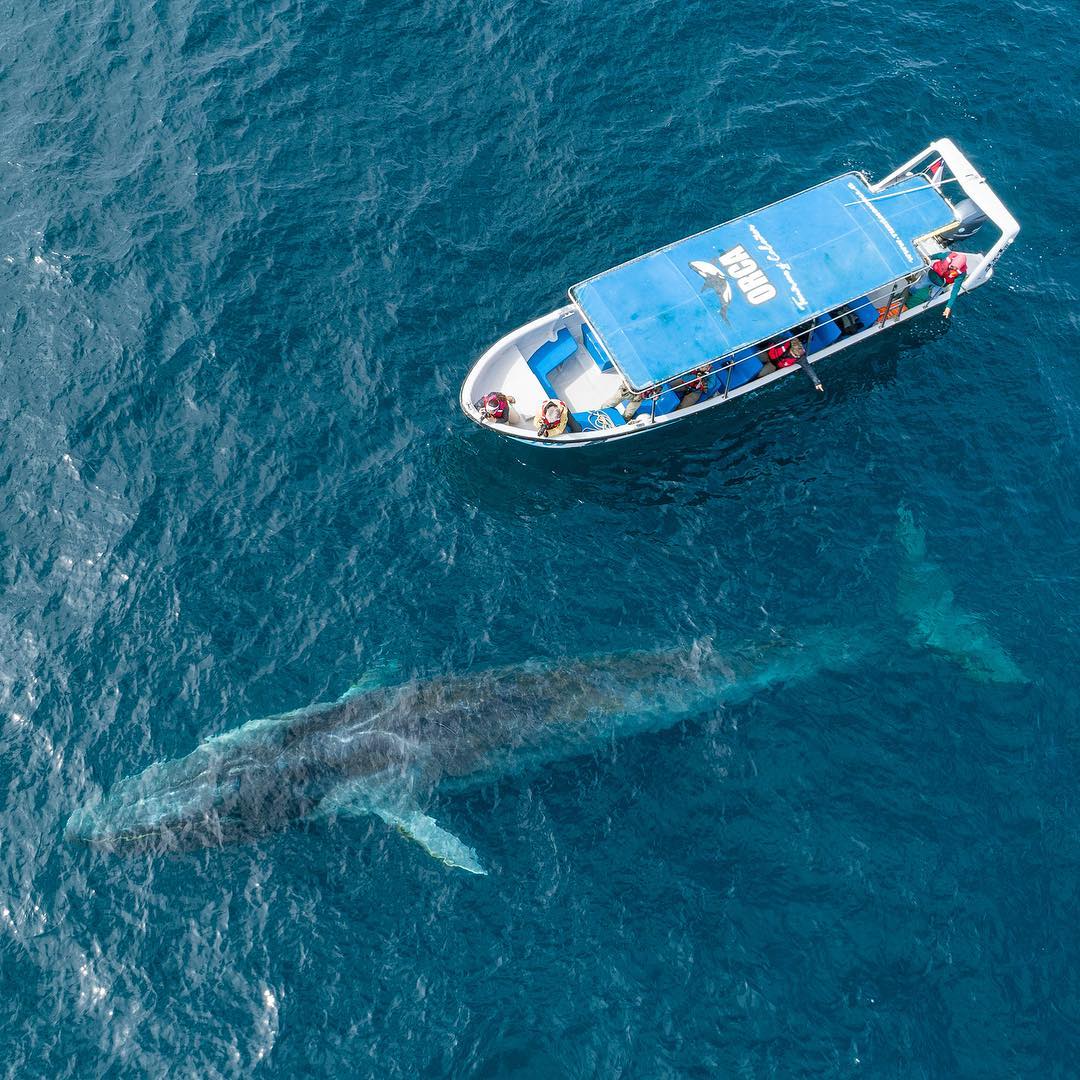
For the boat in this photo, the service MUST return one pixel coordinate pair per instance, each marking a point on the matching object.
(699, 323)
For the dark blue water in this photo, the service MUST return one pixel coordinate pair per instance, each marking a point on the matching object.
(249, 252)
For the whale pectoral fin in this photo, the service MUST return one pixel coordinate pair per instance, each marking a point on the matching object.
(433, 838)
(365, 797)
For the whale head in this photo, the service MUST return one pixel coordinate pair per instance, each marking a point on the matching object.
(244, 783)
(188, 802)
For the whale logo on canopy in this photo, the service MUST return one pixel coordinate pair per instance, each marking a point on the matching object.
(715, 280)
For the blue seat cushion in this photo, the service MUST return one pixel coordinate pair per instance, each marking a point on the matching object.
(549, 356)
(598, 419)
(596, 350)
(666, 402)
(747, 365)
(867, 313)
(824, 335)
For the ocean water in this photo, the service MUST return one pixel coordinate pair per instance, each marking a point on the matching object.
(247, 253)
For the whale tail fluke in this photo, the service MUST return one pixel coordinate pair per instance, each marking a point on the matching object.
(912, 538)
(925, 599)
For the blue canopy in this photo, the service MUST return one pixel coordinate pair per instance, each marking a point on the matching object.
(694, 301)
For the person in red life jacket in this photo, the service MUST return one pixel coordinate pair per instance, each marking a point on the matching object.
(498, 408)
(695, 389)
(636, 400)
(948, 271)
(786, 353)
(495, 407)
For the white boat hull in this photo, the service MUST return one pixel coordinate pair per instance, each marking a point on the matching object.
(497, 367)
(558, 355)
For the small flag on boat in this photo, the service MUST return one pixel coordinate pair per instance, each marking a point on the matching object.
(936, 172)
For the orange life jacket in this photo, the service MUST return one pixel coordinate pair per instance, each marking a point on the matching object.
(892, 311)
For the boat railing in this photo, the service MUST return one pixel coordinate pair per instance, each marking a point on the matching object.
(682, 382)
(894, 307)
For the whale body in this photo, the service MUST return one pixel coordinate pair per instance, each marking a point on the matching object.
(384, 750)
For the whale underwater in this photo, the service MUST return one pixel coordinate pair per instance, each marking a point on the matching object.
(384, 750)
(925, 600)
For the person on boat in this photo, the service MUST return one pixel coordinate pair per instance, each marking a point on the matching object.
(696, 389)
(633, 399)
(496, 408)
(948, 271)
(552, 418)
(781, 355)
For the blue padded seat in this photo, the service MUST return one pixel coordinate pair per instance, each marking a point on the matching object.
(747, 366)
(590, 421)
(596, 350)
(549, 356)
(865, 310)
(825, 333)
(712, 386)
(666, 402)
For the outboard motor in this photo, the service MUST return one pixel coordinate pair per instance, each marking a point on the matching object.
(971, 219)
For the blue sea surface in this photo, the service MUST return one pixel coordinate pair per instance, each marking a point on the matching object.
(248, 252)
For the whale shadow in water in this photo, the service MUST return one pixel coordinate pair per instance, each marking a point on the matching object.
(925, 600)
